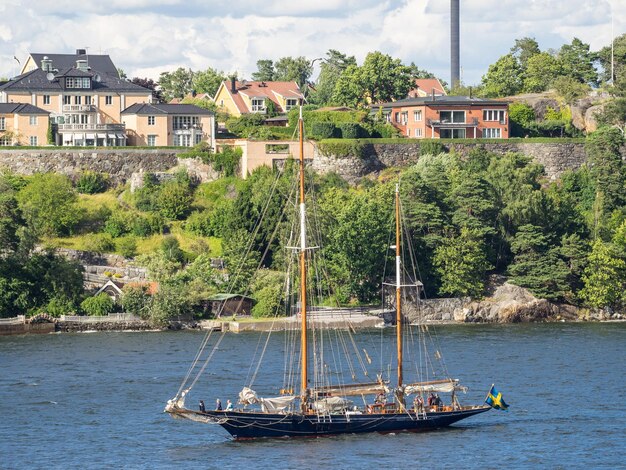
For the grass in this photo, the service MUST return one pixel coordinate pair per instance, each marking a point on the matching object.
(93, 202)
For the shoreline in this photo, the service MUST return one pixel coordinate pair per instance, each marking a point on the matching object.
(230, 326)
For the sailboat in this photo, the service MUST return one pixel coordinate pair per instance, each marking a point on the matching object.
(325, 404)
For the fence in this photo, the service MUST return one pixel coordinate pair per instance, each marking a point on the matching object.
(111, 317)
(19, 320)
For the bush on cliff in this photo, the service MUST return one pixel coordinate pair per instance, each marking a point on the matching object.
(98, 305)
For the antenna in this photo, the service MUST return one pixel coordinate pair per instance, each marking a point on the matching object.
(97, 78)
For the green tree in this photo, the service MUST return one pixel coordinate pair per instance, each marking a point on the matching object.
(461, 264)
(331, 69)
(504, 78)
(207, 81)
(570, 88)
(540, 72)
(49, 204)
(618, 52)
(380, 79)
(176, 84)
(175, 200)
(578, 61)
(296, 69)
(525, 49)
(607, 167)
(135, 300)
(604, 277)
(97, 305)
(265, 71)
(241, 260)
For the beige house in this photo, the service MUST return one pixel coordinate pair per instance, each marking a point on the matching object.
(244, 97)
(23, 124)
(179, 125)
(84, 95)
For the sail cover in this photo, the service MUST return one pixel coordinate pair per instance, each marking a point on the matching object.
(247, 396)
(351, 389)
(439, 386)
(331, 405)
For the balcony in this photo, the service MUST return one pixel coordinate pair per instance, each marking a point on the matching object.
(79, 108)
(92, 127)
(187, 129)
(446, 124)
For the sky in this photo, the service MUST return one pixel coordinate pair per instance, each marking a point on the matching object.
(147, 37)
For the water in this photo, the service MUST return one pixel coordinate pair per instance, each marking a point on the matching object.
(96, 401)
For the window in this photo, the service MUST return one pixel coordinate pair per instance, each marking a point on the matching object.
(33, 140)
(77, 82)
(151, 120)
(291, 103)
(108, 99)
(404, 116)
(198, 139)
(78, 99)
(5, 141)
(408, 132)
(185, 122)
(417, 115)
(494, 115)
(452, 134)
(492, 133)
(67, 99)
(46, 99)
(258, 104)
(397, 117)
(152, 140)
(418, 132)
(2, 124)
(88, 99)
(452, 116)
(32, 120)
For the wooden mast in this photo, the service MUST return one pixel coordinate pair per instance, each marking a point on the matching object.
(398, 288)
(303, 312)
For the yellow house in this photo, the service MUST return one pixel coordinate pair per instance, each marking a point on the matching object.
(85, 104)
(179, 125)
(245, 97)
(23, 124)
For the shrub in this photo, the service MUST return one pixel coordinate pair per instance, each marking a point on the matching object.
(431, 147)
(59, 305)
(127, 247)
(174, 200)
(341, 148)
(323, 130)
(119, 223)
(384, 131)
(570, 88)
(99, 243)
(91, 182)
(352, 130)
(98, 305)
(227, 159)
(199, 223)
(135, 300)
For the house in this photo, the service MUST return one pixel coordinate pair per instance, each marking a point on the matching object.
(448, 117)
(84, 102)
(181, 125)
(23, 124)
(427, 87)
(224, 305)
(113, 289)
(244, 97)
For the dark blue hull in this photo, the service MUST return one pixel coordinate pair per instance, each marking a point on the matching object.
(252, 425)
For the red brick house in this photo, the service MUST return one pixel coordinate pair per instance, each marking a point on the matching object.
(448, 117)
(427, 87)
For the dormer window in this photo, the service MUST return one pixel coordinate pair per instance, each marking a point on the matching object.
(258, 105)
(291, 103)
(77, 82)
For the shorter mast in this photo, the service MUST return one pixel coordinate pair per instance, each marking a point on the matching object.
(303, 300)
(398, 288)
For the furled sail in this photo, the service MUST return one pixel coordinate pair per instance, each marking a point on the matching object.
(439, 386)
(247, 396)
(351, 389)
(332, 405)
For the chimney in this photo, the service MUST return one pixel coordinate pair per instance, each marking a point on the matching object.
(233, 84)
(81, 64)
(432, 94)
(81, 51)
(454, 44)
(46, 64)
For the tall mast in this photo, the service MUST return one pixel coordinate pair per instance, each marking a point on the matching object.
(398, 288)
(303, 340)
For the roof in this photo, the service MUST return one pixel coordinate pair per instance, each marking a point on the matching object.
(442, 101)
(191, 96)
(166, 109)
(37, 80)
(257, 89)
(101, 63)
(20, 108)
(222, 297)
(426, 86)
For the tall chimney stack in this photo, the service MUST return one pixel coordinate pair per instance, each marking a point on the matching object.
(455, 74)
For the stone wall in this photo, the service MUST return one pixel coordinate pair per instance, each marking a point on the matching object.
(555, 157)
(120, 164)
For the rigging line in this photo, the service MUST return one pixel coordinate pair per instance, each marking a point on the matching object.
(195, 361)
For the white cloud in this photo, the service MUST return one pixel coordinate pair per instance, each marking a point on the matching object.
(147, 37)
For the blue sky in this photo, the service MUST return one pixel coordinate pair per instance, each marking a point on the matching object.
(147, 37)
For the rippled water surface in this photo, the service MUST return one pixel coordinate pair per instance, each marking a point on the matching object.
(96, 401)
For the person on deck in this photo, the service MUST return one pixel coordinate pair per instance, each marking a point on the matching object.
(380, 398)
(202, 408)
(418, 403)
(229, 405)
(431, 399)
(218, 405)
(438, 403)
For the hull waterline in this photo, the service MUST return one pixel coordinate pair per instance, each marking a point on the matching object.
(251, 425)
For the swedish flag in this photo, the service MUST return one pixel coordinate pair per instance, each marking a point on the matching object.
(494, 399)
